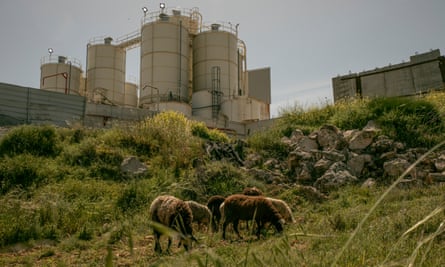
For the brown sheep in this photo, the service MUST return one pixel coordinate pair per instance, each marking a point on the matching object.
(213, 204)
(252, 191)
(173, 213)
(283, 209)
(201, 213)
(241, 207)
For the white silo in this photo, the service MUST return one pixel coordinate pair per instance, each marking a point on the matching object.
(131, 95)
(60, 74)
(165, 57)
(215, 71)
(106, 72)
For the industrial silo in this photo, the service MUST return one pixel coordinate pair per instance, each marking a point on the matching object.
(106, 72)
(60, 74)
(215, 71)
(165, 53)
(131, 95)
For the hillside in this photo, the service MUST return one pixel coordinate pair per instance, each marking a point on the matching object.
(80, 196)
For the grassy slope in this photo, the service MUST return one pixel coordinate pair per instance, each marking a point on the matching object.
(77, 210)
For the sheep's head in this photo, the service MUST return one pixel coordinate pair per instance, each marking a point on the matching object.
(280, 225)
(187, 241)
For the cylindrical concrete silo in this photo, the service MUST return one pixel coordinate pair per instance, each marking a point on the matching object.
(131, 95)
(106, 73)
(60, 74)
(215, 71)
(164, 78)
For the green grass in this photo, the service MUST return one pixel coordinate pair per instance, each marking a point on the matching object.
(64, 202)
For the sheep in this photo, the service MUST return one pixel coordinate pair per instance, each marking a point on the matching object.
(241, 207)
(201, 213)
(173, 213)
(213, 204)
(252, 191)
(283, 209)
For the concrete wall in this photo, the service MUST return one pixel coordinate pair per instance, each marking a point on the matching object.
(424, 72)
(22, 105)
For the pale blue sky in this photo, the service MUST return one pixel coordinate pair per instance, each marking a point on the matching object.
(305, 42)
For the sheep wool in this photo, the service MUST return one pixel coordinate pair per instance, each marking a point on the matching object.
(174, 213)
(241, 207)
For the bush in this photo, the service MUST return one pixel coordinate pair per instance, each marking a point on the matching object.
(34, 140)
(415, 122)
(133, 198)
(20, 171)
(216, 178)
(199, 129)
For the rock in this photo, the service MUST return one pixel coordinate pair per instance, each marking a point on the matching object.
(369, 183)
(310, 193)
(395, 167)
(356, 163)
(306, 144)
(337, 176)
(321, 166)
(360, 140)
(329, 137)
(382, 144)
(439, 164)
(133, 167)
(304, 173)
(253, 160)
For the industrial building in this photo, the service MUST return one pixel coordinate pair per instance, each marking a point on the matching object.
(185, 65)
(423, 73)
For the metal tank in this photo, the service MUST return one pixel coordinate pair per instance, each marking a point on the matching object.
(215, 71)
(61, 74)
(106, 72)
(165, 56)
(131, 95)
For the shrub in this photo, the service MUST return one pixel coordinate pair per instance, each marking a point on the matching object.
(35, 140)
(415, 122)
(20, 171)
(133, 198)
(199, 129)
(216, 178)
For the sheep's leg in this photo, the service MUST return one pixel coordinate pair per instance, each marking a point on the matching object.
(260, 226)
(169, 244)
(158, 248)
(224, 229)
(235, 227)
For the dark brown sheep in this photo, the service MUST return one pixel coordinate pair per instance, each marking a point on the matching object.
(173, 213)
(213, 204)
(241, 207)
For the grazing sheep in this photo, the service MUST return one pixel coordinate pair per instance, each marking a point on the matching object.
(283, 209)
(252, 191)
(173, 213)
(241, 207)
(213, 204)
(201, 213)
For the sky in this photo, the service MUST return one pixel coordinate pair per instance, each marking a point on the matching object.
(305, 42)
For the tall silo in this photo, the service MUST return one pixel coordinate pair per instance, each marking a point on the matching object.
(106, 72)
(131, 95)
(165, 53)
(60, 74)
(215, 71)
